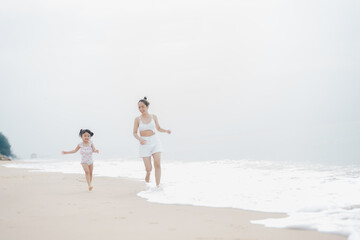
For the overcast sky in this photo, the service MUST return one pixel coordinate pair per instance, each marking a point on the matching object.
(254, 79)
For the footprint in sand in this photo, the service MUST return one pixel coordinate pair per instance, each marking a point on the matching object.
(120, 218)
(216, 238)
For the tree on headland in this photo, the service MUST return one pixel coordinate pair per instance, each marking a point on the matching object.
(5, 147)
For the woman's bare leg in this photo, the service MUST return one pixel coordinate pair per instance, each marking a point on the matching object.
(157, 167)
(148, 168)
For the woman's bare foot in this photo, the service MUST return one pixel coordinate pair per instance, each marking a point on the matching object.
(90, 188)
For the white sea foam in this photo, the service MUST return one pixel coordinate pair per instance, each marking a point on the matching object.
(324, 198)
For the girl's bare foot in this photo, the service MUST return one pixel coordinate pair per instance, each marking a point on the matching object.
(90, 188)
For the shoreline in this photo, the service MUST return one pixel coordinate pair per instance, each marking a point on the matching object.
(37, 205)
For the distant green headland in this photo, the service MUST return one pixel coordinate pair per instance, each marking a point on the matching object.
(5, 148)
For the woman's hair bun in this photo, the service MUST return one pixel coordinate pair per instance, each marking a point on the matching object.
(145, 101)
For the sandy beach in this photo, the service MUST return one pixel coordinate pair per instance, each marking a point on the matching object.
(59, 206)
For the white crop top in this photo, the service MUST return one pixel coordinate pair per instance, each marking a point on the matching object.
(149, 126)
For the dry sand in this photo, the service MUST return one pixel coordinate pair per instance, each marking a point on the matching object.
(51, 206)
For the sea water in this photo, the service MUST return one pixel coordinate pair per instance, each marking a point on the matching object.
(319, 197)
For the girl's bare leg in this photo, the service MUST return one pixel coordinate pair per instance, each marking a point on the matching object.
(148, 168)
(91, 168)
(87, 173)
(157, 167)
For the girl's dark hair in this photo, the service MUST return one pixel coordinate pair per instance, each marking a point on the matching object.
(82, 131)
(145, 101)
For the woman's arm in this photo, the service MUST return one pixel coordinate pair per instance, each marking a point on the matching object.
(158, 126)
(94, 149)
(136, 128)
(73, 151)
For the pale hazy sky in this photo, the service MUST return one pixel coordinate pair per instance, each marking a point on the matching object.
(262, 79)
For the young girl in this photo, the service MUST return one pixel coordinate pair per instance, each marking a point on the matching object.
(150, 145)
(86, 150)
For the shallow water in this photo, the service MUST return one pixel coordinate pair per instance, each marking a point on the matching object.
(325, 198)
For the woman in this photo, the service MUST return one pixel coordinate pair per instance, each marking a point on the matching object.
(150, 144)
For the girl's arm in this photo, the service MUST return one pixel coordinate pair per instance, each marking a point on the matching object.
(158, 126)
(94, 149)
(73, 151)
(136, 128)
